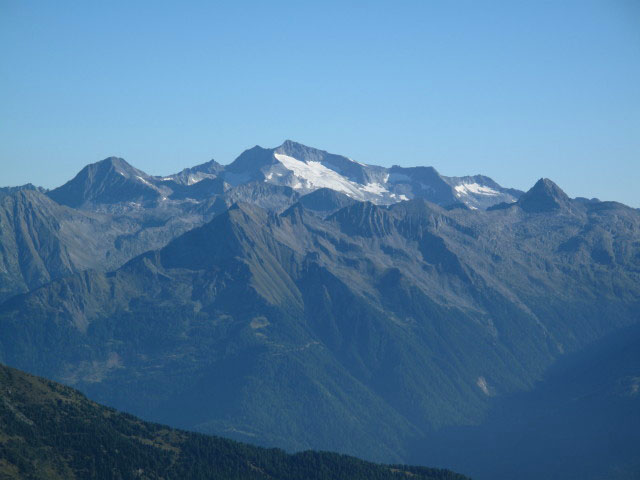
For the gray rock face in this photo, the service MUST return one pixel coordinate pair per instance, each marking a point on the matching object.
(4, 191)
(41, 240)
(544, 196)
(325, 201)
(111, 180)
(31, 250)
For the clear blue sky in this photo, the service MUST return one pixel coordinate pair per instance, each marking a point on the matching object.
(515, 90)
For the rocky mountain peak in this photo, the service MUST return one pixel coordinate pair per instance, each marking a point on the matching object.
(111, 180)
(302, 152)
(544, 196)
(119, 164)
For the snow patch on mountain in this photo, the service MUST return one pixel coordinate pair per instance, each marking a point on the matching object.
(145, 182)
(375, 188)
(313, 175)
(475, 188)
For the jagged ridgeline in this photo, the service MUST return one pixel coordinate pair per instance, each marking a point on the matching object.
(111, 211)
(48, 431)
(300, 299)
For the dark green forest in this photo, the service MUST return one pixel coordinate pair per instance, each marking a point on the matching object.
(49, 431)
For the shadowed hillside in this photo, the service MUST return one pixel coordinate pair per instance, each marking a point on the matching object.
(48, 431)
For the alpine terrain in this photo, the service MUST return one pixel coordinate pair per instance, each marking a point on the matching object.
(302, 300)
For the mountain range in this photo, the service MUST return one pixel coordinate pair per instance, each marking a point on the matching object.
(300, 299)
(115, 211)
(297, 167)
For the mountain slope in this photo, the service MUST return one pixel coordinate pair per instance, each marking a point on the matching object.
(41, 240)
(582, 421)
(193, 175)
(31, 250)
(481, 192)
(48, 431)
(358, 332)
(4, 191)
(111, 180)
